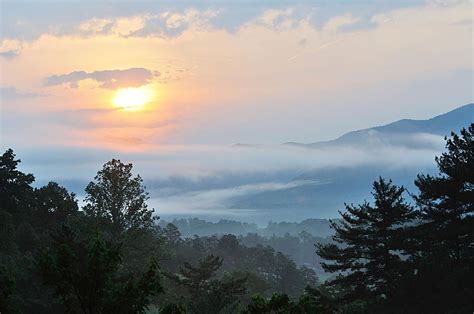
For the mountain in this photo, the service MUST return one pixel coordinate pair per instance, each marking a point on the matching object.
(402, 132)
(327, 189)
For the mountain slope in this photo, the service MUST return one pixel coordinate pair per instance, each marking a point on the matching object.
(329, 188)
(396, 132)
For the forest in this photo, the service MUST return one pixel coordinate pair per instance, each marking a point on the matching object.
(398, 253)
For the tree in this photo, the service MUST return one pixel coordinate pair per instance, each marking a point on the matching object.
(195, 277)
(369, 246)
(171, 233)
(54, 204)
(118, 199)
(447, 201)
(15, 187)
(88, 276)
(7, 291)
(207, 295)
(310, 302)
(443, 256)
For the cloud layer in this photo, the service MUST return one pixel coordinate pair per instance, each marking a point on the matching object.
(112, 79)
(11, 93)
(205, 180)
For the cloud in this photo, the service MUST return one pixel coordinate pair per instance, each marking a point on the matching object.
(197, 162)
(10, 54)
(339, 22)
(216, 201)
(206, 180)
(10, 49)
(11, 93)
(28, 21)
(112, 79)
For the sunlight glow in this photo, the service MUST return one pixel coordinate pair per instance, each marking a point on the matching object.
(132, 99)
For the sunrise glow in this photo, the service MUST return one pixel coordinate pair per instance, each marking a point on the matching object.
(132, 99)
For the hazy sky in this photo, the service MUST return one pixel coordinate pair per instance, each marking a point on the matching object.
(170, 86)
(227, 72)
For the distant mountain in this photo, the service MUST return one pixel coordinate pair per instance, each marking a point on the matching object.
(403, 132)
(328, 189)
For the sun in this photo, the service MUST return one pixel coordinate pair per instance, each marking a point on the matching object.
(132, 98)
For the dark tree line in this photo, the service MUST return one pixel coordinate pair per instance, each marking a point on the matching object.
(395, 257)
(390, 256)
(111, 256)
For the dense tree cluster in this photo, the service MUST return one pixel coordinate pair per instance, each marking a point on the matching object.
(111, 256)
(389, 256)
(393, 257)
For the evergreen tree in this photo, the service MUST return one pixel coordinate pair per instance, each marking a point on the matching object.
(443, 254)
(196, 277)
(171, 233)
(118, 199)
(367, 256)
(207, 294)
(447, 201)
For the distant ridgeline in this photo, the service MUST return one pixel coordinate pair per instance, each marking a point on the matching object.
(195, 226)
(328, 188)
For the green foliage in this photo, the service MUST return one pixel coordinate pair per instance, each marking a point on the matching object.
(87, 275)
(369, 258)
(172, 308)
(118, 199)
(54, 205)
(206, 294)
(15, 187)
(311, 301)
(266, 270)
(171, 233)
(8, 296)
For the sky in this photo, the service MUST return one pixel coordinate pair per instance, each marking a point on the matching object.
(210, 74)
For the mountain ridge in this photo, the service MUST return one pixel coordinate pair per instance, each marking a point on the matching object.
(441, 125)
(351, 183)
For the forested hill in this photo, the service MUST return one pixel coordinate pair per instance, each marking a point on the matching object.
(195, 226)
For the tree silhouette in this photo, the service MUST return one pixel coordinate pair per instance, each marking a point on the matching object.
(368, 252)
(88, 277)
(118, 199)
(443, 256)
(207, 294)
(16, 192)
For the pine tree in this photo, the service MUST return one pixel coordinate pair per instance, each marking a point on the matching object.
(447, 201)
(443, 254)
(171, 233)
(369, 249)
(208, 294)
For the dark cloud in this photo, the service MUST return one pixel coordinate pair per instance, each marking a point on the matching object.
(10, 93)
(112, 79)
